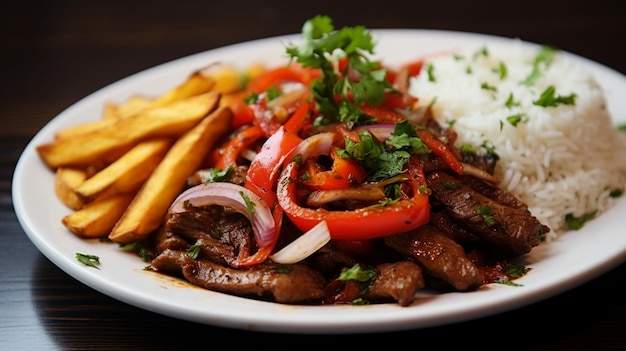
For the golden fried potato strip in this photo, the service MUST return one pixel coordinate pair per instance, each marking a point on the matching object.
(149, 207)
(111, 141)
(196, 84)
(127, 173)
(132, 105)
(66, 180)
(97, 218)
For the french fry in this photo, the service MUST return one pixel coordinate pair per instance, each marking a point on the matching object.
(147, 210)
(97, 218)
(110, 142)
(132, 105)
(127, 173)
(66, 180)
(82, 128)
(196, 84)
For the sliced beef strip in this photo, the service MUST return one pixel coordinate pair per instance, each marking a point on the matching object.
(515, 230)
(439, 256)
(163, 240)
(224, 236)
(442, 220)
(493, 192)
(398, 280)
(284, 284)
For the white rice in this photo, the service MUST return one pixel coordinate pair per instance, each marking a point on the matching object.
(559, 160)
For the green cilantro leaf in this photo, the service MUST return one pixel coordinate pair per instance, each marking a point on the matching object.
(323, 47)
(542, 60)
(549, 98)
(249, 204)
(357, 273)
(88, 260)
(576, 223)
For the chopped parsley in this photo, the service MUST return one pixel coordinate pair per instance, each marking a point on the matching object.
(576, 223)
(137, 247)
(517, 118)
(88, 260)
(213, 175)
(511, 102)
(194, 251)
(430, 70)
(485, 211)
(502, 70)
(249, 204)
(487, 86)
(357, 273)
(385, 160)
(542, 60)
(549, 98)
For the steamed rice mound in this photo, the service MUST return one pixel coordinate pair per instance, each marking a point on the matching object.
(560, 160)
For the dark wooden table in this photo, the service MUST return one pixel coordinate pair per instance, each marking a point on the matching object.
(56, 52)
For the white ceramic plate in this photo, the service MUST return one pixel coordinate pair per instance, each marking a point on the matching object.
(574, 259)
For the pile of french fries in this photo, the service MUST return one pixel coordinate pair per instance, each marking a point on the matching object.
(121, 173)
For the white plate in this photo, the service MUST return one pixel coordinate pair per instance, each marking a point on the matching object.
(574, 259)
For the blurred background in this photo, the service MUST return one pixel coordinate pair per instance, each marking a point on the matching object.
(56, 52)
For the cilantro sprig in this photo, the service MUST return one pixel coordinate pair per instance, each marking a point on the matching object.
(325, 48)
(88, 260)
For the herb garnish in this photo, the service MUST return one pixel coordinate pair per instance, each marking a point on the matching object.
(576, 223)
(323, 48)
(88, 260)
(194, 251)
(542, 60)
(357, 273)
(249, 204)
(549, 98)
(485, 212)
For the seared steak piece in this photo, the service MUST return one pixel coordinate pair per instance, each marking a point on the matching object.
(284, 284)
(399, 280)
(442, 220)
(224, 236)
(513, 230)
(493, 192)
(439, 256)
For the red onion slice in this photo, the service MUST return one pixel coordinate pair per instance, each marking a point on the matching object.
(232, 196)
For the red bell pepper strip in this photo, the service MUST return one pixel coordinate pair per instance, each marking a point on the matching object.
(363, 223)
(228, 154)
(399, 100)
(382, 114)
(441, 149)
(243, 113)
(343, 173)
(264, 170)
(264, 251)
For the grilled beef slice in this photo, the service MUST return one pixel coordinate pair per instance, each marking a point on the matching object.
(512, 229)
(284, 284)
(439, 256)
(397, 280)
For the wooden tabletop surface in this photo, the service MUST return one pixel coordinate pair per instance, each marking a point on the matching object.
(56, 52)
